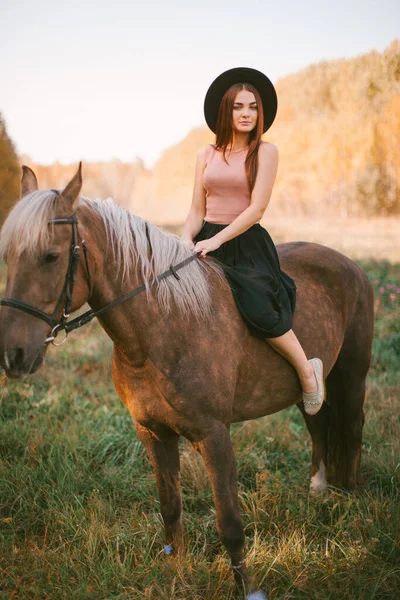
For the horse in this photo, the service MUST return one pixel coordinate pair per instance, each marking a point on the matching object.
(184, 362)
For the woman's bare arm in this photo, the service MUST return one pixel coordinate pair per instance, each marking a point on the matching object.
(194, 220)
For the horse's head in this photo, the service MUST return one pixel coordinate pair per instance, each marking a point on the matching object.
(38, 248)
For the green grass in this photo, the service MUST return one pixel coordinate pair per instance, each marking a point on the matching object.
(79, 514)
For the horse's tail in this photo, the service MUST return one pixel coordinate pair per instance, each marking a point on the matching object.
(345, 386)
(338, 451)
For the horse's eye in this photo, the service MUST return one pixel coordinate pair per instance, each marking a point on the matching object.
(51, 257)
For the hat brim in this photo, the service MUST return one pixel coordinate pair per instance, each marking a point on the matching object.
(224, 81)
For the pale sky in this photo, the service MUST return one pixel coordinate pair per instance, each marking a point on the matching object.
(94, 80)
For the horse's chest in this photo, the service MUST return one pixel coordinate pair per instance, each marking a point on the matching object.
(150, 394)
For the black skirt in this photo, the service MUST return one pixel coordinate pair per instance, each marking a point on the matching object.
(264, 294)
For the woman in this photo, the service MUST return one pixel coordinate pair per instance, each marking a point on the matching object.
(233, 184)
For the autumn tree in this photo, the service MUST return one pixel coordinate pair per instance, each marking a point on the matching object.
(9, 173)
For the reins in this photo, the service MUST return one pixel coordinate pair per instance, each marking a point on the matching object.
(91, 314)
(63, 324)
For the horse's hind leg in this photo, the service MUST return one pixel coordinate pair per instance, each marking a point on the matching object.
(217, 453)
(317, 425)
(163, 452)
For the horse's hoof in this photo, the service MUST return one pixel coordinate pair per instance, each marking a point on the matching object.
(318, 489)
(257, 596)
(318, 484)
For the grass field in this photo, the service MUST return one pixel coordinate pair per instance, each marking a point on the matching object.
(79, 515)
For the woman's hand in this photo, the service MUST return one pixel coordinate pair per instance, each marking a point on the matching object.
(207, 246)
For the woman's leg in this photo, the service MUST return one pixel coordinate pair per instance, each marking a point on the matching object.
(289, 347)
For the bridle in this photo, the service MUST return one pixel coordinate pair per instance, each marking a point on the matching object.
(63, 324)
(66, 292)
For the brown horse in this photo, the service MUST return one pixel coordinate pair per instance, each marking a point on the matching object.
(184, 363)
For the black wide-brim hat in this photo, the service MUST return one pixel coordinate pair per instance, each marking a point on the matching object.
(240, 75)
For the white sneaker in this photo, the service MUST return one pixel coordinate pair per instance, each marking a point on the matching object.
(314, 400)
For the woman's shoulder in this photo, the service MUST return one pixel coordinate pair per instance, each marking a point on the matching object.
(268, 147)
(205, 150)
(205, 153)
(268, 150)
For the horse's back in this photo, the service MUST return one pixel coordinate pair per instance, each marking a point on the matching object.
(312, 258)
(322, 273)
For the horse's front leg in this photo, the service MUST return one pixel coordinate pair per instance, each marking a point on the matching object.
(217, 453)
(162, 450)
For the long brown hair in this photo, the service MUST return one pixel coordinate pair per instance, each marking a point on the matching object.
(224, 129)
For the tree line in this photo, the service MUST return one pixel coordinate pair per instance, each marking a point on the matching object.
(9, 173)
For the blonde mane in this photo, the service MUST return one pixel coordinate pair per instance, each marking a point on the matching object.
(26, 227)
(136, 246)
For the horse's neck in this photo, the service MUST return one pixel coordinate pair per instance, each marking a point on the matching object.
(139, 327)
(129, 324)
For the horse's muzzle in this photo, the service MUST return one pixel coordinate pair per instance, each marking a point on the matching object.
(18, 363)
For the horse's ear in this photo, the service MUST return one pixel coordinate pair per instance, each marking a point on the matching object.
(29, 182)
(71, 193)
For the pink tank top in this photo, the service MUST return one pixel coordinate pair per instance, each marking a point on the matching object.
(227, 190)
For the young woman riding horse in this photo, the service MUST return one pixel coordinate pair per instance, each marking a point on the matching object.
(229, 199)
(184, 362)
